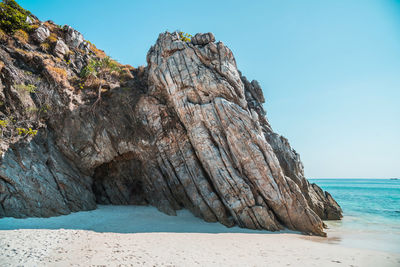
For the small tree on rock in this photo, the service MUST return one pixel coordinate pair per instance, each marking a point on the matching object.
(102, 70)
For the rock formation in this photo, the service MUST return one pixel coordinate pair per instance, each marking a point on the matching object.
(186, 131)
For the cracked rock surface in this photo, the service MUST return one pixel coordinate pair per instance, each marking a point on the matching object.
(188, 131)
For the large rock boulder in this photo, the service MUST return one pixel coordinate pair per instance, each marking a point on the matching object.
(205, 95)
(188, 131)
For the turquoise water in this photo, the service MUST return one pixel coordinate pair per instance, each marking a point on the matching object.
(371, 209)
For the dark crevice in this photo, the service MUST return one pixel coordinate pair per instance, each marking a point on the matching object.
(119, 182)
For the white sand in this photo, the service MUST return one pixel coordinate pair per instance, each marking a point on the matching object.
(136, 236)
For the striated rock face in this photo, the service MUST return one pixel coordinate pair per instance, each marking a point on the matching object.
(188, 131)
(319, 201)
(37, 180)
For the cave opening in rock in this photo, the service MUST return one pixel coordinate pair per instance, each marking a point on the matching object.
(119, 182)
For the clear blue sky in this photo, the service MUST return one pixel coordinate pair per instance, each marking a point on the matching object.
(330, 70)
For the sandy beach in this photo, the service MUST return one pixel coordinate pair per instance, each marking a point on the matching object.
(155, 239)
(268, 115)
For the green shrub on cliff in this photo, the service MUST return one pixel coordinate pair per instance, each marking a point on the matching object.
(12, 129)
(100, 68)
(26, 132)
(13, 17)
(185, 36)
(30, 88)
(3, 123)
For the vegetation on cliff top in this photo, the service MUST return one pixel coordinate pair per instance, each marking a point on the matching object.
(13, 17)
(185, 37)
(45, 66)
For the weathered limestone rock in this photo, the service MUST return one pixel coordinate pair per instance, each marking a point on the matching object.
(203, 38)
(28, 20)
(73, 37)
(40, 35)
(60, 49)
(188, 131)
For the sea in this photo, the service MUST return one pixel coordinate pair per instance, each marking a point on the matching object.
(371, 213)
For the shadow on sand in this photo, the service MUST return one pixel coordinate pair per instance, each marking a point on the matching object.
(126, 219)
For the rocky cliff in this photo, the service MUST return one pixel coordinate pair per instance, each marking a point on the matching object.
(186, 131)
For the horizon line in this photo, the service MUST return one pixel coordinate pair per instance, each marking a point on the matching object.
(352, 178)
